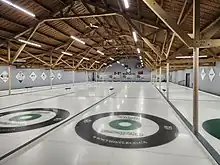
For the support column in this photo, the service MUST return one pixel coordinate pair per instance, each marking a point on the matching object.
(9, 69)
(86, 76)
(196, 32)
(9, 79)
(195, 88)
(168, 79)
(156, 78)
(51, 64)
(155, 74)
(160, 78)
(73, 72)
(151, 77)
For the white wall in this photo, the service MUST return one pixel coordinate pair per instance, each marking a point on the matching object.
(119, 68)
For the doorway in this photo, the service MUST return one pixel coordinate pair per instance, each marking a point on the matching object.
(188, 79)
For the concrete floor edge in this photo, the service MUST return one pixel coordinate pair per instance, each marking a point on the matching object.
(213, 153)
(50, 130)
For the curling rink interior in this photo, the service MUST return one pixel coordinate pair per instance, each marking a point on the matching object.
(101, 123)
(109, 82)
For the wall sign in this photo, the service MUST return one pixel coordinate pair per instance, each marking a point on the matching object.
(203, 74)
(211, 74)
(52, 76)
(4, 76)
(43, 76)
(59, 76)
(20, 76)
(33, 76)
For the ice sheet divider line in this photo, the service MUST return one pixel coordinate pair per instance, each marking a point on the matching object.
(201, 139)
(50, 130)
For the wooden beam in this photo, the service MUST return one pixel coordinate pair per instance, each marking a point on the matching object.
(187, 13)
(183, 36)
(39, 20)
(132, 16)
(59, 58)
(210, 30)
(142, 36)
(178, 22)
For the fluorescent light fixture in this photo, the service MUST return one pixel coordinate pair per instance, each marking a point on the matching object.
(29, 43)
(78, 40)
(95, 26)
(100, 52)
(134, 36)
(18, 7)
(97, 62)
(70, 54)
(203, 56)
(138, 50)
(110, 65)
(86, 58)
(122, 64)
(104, 64)
(126, 4)
(111, 58)
(186, 57)
(20, 60)
(118, 62)
(140, 57)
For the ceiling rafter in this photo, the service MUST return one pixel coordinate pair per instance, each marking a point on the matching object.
(183, 36)
(31, 28)
(107, 35)
(131, 15)
(157, 21)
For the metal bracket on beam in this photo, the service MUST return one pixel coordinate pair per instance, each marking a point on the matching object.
(206, 43)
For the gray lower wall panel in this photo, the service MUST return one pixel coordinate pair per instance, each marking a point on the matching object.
(67, 77)
(204, 84)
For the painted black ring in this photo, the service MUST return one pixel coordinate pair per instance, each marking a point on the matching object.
(60, 115)
(85, 130)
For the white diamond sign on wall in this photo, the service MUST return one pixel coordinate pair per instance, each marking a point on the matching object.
(33, 76)
(43, 76)
(59, 76)
(203, 74)
(20, 76)
(211, 74)
(4, 76)
(52, 76)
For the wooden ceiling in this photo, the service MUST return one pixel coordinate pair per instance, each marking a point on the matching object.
(104, 25)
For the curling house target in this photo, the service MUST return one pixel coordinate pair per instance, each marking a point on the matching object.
(126, 130)
(28, 119)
